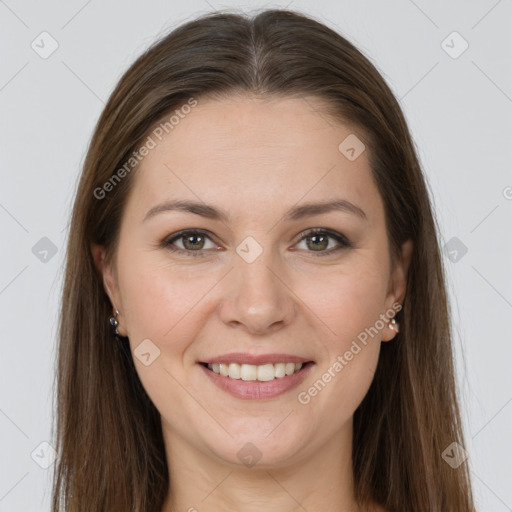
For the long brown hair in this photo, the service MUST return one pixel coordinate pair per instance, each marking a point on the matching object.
(111, 454)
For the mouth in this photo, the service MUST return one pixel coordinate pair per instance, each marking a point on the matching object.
(256, 373)
(256, 382)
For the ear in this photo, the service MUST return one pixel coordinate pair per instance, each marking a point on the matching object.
(398, 284)
(109, 277)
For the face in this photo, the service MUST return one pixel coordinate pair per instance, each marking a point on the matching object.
(252, 276)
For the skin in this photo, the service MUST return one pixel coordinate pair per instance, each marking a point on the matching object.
(255, 159)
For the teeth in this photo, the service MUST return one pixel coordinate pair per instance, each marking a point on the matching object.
(264, 372)
(234, 371)
(280, 370)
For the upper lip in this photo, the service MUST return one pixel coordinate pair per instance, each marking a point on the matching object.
(260, 359)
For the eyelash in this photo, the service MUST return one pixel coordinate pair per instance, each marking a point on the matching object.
(341, 239)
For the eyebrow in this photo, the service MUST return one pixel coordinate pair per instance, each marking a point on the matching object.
(296, 213)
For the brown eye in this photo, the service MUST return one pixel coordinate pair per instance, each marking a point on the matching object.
(192, 242)
(318, 241)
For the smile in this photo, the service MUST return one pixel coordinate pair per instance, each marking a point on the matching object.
(251, 372)
(256, 382)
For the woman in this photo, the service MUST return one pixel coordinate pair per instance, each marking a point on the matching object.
(254, 313)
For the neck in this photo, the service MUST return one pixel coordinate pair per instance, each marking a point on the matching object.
(321, 480)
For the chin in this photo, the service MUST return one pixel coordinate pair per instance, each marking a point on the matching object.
(258, 452)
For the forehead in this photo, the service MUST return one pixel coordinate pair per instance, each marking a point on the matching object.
(243, 151)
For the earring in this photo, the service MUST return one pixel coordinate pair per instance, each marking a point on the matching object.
(114, 323)
(393, 325)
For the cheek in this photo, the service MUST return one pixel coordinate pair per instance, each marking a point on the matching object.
(162, 305)
(156, 298)
(167, 303)
(348, 305)
(346, 302)
(146, 294)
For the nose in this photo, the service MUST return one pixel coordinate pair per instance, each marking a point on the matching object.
(257, 297)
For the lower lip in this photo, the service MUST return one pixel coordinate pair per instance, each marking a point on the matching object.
(258, 390)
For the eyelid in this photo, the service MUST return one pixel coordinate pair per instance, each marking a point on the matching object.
(326, 231)
(168, 241)
(343, 241)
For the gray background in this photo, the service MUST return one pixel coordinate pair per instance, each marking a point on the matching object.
(459, 110)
